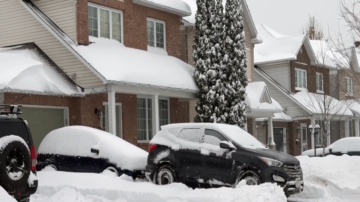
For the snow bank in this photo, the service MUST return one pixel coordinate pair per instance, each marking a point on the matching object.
(5, 197)
(4, 141)
(319, 152)
(254, 93)
(78, 141)
(315, 103)
(119, 64)
(330, 178)
(25, 71)
(275, 46)
(87, 187)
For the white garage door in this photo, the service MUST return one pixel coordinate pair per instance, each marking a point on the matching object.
(43, 120)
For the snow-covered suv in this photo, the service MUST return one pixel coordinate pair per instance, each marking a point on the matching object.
(208, 154)
(17, 155)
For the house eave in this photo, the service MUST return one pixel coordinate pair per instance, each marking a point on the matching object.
(161, 7)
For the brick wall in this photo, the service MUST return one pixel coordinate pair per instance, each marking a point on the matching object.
(303, 62)
(135, 30)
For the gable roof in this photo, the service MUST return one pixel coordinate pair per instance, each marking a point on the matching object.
(276, 47)
(256, 38)
(255, 91)
(327, 56)
(21, 65)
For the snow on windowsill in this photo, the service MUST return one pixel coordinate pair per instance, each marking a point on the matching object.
(349, 94)
(320, 91)
(157, 50)
(143, 141)
(300, 89)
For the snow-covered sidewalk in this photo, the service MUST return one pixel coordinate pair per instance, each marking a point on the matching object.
(330, 179)
(84, 187)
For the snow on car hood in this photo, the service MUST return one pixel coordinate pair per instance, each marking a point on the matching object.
(78, 141)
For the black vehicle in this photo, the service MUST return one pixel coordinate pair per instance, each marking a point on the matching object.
(89, 150)
(17, 155)
(206, 154)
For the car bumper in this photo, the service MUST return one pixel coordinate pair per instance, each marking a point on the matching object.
(294, 187)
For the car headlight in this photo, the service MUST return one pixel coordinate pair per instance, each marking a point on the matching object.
(271, 162)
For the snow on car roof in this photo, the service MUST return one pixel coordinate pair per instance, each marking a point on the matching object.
(235, 133)
(78, 141)
(120, 64)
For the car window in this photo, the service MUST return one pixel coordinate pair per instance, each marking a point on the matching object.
(213, 137)
(14, 128)
(191, 134)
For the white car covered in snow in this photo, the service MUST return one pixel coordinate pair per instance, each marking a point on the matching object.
(348, 145)
(85, 149)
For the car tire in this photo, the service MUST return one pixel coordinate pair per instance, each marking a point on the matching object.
(250, 176)
(165, 175)
(112, 169)
(52, 166)
(15, 166)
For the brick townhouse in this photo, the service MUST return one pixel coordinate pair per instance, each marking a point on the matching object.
(110, 88)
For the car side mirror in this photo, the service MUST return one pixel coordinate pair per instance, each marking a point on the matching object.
(330, 151)
(226, 145)
(95, 151)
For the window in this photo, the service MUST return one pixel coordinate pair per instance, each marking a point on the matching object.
(300, 78)
(213, 137)
(105, 23)
(144, 117)
(191, 134)
(156, 33)
(349, 86)
(319, 83)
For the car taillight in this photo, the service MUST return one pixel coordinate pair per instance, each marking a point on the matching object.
(33, 157)
(152, 147)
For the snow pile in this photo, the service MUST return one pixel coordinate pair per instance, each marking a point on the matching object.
(311, 152)
(175, 6)
(78, 141)
(5, 197)
(275, 46)
(24, 70)
(88, 187)
(327, 56)
(330, 178)
(119, 64)
(255, 91)
(322, 104)
(4, 141)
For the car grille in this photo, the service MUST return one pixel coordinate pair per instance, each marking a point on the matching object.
(293, 170)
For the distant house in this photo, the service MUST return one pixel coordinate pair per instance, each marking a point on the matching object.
(113, 65)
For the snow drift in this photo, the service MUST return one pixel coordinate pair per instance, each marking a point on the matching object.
(5, 197)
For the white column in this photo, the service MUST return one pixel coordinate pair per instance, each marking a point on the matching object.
(155, 113)
(357, 130)
(271, 133)
(312, 133)
(347, 129)
(112, 112)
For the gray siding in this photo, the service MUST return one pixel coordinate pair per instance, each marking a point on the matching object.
(280, 72)
(63, 13)
(289, 106)
(18, 26)
(2, 98)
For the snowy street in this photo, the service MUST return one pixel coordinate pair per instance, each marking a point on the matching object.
(327, 179)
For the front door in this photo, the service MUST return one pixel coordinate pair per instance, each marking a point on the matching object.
(304, 144)
(280, 139)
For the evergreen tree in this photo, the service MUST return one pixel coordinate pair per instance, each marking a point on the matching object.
(235, 63)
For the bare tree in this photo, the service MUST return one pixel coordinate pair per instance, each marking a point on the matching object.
(313, 29)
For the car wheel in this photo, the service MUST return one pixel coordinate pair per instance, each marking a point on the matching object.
(251, 177)
(15, 166)
(165, 175)
(112, 169)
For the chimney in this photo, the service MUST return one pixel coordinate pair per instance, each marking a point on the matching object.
(357, 43)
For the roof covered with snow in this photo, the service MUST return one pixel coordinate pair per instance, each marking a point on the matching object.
(276, 47)
(322, 104)
(327, 56)
(256, 93)
(25, 69)
(190, 20)
(178, 7)
(123, 65)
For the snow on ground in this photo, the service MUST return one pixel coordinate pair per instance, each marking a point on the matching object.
(4, 196)
(330, 178)
(85, 187)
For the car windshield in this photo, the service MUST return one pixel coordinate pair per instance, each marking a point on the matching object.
(242, 137)
(14, 128)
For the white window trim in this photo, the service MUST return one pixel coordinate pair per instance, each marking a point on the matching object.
(159, 21)
(320, 91)
(121, 115)
(110, 18)
(351, 86)
(302, 70)
(152, 100)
